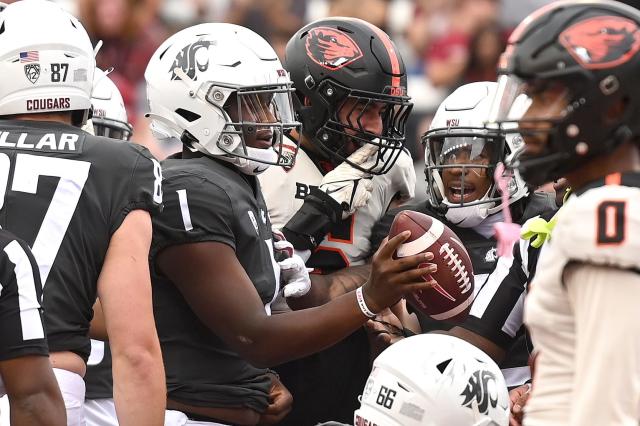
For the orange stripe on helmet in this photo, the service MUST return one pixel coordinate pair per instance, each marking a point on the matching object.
(391, 51)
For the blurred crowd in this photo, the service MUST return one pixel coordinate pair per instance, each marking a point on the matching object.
(444, 43)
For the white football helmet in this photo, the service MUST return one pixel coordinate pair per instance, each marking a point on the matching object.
(458, 128)
(434, 380)
(199, 73)
(46, 60)
(109, 114)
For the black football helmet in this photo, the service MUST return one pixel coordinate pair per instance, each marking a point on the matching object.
(587, 53)
(334, 60)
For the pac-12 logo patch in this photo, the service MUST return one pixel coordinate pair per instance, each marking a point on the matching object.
(602, 41)
(331, 49)
(32, 72)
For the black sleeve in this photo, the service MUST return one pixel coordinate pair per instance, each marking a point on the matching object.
(313, 221)
(497, 310)
(144, 186)
(21, 326)
(381, 230)
(195, 210)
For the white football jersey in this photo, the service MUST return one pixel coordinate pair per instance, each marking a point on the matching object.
(285, 190)
(581, 312)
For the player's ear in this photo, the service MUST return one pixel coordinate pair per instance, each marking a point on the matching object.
(306, 101)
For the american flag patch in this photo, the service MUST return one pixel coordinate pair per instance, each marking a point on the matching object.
(30, 56)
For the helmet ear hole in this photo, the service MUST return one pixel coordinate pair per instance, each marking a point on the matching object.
(190, 116)
(443, 366)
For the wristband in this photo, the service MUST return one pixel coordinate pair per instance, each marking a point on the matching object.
(362, 304)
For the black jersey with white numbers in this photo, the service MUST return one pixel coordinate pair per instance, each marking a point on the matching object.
(21, 330)
(209, 200)
(65, 193)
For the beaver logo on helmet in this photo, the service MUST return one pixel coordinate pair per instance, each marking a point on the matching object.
(331, 49)
(602, 42)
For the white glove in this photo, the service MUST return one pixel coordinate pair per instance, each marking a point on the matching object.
(349, 186)
(293, 272)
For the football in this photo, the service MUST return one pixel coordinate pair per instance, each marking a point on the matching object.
(451, 298)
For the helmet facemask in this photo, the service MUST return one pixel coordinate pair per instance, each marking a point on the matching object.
(549, 115)
(112, 128)
(256, 115)
(460, 164)
(346, 129)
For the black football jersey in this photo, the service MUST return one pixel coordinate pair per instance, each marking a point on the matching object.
(65, 193)
(209, 200)
(21, 329)
(99, 378)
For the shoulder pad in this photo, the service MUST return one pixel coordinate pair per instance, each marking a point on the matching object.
(600, 226)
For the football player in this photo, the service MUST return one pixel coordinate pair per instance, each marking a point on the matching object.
(83, 205)
(461, 154)
(576, 63)
(351, 97)
(25, 371)
(109, 116)
(221, 90)
(110, 120)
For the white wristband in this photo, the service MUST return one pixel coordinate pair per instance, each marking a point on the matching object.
(363, 306)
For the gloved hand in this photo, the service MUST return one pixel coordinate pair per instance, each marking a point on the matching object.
(293, 273)
(351, 187)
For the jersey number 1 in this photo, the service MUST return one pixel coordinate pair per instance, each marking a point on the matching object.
(73, 175)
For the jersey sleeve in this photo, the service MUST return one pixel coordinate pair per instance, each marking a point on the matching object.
(605, 384)
(144, 188)
(403, 177)
(599, 226)
(195, 210)
(21, 326)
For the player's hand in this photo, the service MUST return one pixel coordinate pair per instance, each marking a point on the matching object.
(390, 278)
(280, 403)
(294, 275)
(518, 399)
(351, 187)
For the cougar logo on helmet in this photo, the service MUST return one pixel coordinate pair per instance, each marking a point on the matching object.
(189, 61)
(478, 390)
(331, 48)
(602, 42)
